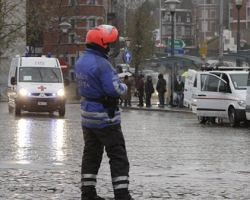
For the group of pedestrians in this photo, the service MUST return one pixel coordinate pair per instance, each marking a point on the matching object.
(144, 90)
(148, 88)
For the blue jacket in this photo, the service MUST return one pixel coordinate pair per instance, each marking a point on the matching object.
(96, 78)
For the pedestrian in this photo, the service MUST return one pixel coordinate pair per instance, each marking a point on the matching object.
(127, 96)
(149, 90)
(140, 89)
(179, 88)
(161, 89)
(100, 89)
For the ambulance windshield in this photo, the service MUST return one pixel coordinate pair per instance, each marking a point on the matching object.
(40, 74)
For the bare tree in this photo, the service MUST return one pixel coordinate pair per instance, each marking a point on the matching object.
(38, 18)
(12, 23)
(140, 31)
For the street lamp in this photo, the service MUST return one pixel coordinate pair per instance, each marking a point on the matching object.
(172, 7)
(238, 4)
(64, 26)
(77, 42)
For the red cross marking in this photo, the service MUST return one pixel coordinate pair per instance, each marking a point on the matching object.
(42, 88)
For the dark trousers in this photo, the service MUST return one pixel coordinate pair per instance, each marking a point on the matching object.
(148, 99)
(127, 102)
(95, 140)
(140, 99)
(161, 98)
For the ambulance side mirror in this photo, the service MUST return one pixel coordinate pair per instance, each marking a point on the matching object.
(13, 80)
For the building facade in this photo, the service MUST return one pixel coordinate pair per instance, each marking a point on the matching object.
(206, 20)
(82, 15)
(244, 13)
(183, 21)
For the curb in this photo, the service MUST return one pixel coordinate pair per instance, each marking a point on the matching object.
(153, 108)
(158, 109)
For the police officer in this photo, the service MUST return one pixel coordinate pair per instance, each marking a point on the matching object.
(100, 89)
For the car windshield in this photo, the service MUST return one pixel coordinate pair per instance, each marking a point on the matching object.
(40, 74)
(239, 81)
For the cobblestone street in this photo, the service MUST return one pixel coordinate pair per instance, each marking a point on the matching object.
(171, 156)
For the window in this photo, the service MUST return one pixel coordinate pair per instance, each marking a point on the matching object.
(92, 2)
(72, 38)
(248, 81)
(40, 74)
(187, 31)
(179, 18)
(248, 12)
(211, 83)
(72, 61)
(204, 26)
(204, 14)
(72, 2)
(239, 81)
(73, 23)
(91, 23)
(213, 14)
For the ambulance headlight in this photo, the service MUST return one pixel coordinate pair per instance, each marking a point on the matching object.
(242, 103)
(60, 93)
(23, 92)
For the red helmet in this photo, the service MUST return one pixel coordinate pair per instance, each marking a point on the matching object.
(102, 35)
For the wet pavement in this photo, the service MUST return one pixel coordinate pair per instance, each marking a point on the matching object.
(171, 157)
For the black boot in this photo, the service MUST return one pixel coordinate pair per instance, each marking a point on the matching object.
(126, 197)
(93, 198)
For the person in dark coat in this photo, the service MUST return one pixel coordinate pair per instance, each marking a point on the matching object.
(140, 89)
(179, 88)
(161, 89)
(149, 90)
(127, 97)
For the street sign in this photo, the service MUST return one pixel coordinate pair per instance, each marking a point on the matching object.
(127, 57)
(177, 43)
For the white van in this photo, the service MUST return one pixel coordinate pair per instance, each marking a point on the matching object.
(221, 94)
(35, 84)
(248, 98)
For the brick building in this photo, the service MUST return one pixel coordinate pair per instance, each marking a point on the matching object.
(206, 20)
(82, 15)
(183, 23)
(244, 20)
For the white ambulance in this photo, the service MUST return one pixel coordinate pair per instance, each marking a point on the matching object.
(36, 84)
(221, 93)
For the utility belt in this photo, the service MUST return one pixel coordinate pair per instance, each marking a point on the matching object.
(110, 103)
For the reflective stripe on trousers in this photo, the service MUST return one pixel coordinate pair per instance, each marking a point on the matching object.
(120, 182)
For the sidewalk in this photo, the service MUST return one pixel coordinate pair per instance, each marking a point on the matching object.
(71, 91)
(154, 107)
